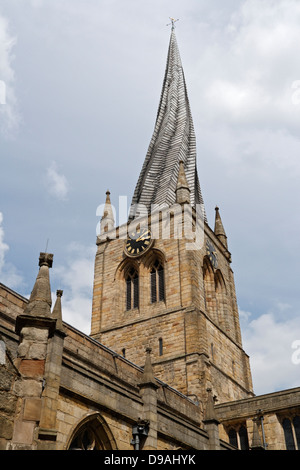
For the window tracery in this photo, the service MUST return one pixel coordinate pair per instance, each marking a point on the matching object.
(92, 433)
(238, 437)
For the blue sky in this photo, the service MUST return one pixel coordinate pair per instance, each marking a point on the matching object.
(82, 86)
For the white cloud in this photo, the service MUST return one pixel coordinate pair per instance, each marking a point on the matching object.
(270, 343)
(57, 184)
(8, 273)
(9, 114)
(3, 246)
(75, 277)
(255, 67)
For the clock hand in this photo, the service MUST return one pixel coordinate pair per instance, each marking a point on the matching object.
(141, 237)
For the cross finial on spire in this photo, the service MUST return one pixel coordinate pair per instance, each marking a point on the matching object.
(172, 22)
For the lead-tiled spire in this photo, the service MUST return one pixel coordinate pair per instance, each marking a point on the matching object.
(173, 141)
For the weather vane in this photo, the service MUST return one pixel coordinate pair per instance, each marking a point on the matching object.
(172, 22)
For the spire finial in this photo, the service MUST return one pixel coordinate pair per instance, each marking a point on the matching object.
(107, 222)
(219, 229)
(172, 22)
(210, 413)
(57, 313)
(39, 303)
(148, 375)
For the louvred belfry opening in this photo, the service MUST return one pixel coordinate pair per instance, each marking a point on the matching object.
(132, 289)
(157, 282)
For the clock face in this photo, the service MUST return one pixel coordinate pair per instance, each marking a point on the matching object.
(138, 242)
(212, 253)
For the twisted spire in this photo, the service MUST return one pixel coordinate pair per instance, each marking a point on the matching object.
(173, 141)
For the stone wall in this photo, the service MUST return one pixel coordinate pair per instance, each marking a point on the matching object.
(269, 409)
(54, 384)
(11, 304)
(183, 323)
(96, 379)
(94, 383)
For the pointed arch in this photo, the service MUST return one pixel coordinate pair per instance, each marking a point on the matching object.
(157, 281)
(127, 285)
(154, 263)
(123, 268)
(209, 288)
(221, 299)
(153, 255)
(243, 437)
(238, 437)
(132, 287)
(91, 433)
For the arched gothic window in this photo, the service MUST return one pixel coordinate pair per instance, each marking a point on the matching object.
(132, 289)
(296, 426)
(244, 443)
(220, 299)
(209, 289)
(86, 440)
(157, 282)
(291, 429)
(92, 433)
(239, 438)
(233, 437)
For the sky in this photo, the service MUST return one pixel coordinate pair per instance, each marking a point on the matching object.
(80, 83)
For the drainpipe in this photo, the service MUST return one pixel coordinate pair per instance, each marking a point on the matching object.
(260, 416)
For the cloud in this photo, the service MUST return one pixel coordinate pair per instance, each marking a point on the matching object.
(57, 184)
(254, 76)
(240, 60)
(75, 278)
(9, 114)
(8, 273)
(3, 246)
(270, 343)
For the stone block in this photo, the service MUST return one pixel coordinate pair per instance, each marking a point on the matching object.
(35, 334)
(6, 428)
(3, 444)
(32, 367)
(23, 432)
(23, 349)
(28, 388)
(37, 351)
(32, 409)
(7, 402)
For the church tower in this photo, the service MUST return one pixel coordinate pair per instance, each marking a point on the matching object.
(164, 280)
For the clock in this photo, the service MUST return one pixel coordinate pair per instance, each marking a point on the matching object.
(212, 253)
(138, 242)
